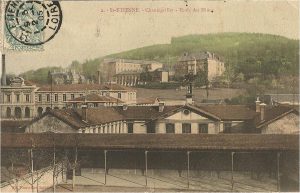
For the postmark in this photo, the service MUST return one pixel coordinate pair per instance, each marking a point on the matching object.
(32, 23)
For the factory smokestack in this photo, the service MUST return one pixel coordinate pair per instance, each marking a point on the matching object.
(3, 78)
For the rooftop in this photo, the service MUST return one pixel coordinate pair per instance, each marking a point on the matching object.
(108, 60)
(82, 87)
(197, 56)
(95, 98)
(236, 142)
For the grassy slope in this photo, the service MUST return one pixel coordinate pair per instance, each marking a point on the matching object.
(245, 52)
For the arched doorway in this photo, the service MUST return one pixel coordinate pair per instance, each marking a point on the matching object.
(8, 112)
(27, 112)
(18, 112)
(48, 109)
(40, 111)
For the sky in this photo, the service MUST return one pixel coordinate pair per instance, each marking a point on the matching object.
(87, 32)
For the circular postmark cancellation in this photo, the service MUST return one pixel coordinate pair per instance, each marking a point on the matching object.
(33, 22)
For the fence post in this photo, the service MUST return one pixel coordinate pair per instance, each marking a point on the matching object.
(74, 168)
(146, 167)
(232, 155)
(188, 169)
(31, 160)
(105, 166)
(278, 171)
(53, 176)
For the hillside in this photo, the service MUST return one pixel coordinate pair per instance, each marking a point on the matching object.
(244, 53)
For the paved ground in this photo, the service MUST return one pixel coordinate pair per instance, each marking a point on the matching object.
(199, 94)
(133, 181)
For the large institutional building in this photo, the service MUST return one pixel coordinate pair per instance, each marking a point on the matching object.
(128, 72)
(196, 62)
(24, 100)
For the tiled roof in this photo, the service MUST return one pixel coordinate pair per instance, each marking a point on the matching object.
(229, 112)
(95, 98)
(194, 56)
(82, 87)
(103, 115)
(273, 113)
(97, 116)
(68, 116)
(107, 60)
(153, 142)
(144, 112)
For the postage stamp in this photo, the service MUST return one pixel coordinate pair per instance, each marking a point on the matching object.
(30, 24)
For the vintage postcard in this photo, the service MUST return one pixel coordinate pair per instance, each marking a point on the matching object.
(149, 96)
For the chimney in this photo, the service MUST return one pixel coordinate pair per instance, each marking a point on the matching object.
(262, 111)
(3, 78)
(125, 107)
(84, 112)
(161, 107)
(257, 103)
(99, 77)
(189, 94)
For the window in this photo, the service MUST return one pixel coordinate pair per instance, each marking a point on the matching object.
(119, 95)
(27, 97)
(56, 97)
(27, 112)
(8, 112)
(40, 97)
(64, 97)
(72, 96)
(81, 95)
(227, 127)
(170, 128)
(18, 97)
(186, 128)
(130, 127)
(203, 128)
(48, 97)
(8, 98)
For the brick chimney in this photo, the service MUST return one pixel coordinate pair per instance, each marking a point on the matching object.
(3, 77)
(262, 111)
(257, 107)
(161, 107)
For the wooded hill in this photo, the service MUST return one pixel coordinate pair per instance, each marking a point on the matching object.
(246, 54)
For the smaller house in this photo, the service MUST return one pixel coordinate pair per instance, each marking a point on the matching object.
(276, 119)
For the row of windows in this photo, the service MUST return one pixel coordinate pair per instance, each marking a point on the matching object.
(170, 128)
(48, 97)
(186, 128)
(18, 98)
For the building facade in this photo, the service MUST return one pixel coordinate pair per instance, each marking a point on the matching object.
(196, 62)
(124, 71)
(162, 119)
(184, 119)
(18, 100)
(22, 100)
